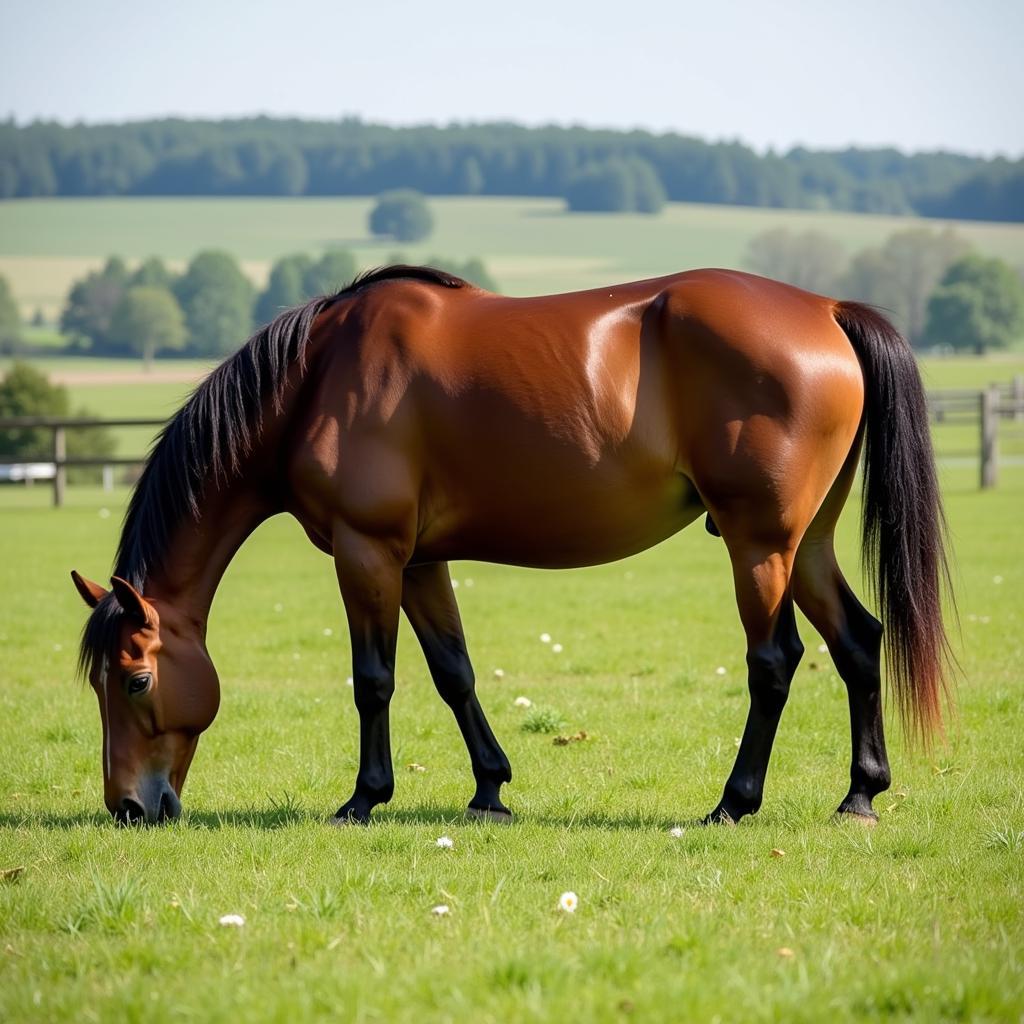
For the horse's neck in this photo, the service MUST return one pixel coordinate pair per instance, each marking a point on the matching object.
(203, 549)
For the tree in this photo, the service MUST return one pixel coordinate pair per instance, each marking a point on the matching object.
(10, 318)
(806, 259)
(472, 270)
(648, 191)
(148, 320)
(471, 179)
(24, 391)
(979, 305)
(616, 186)
(330, 273)
(403, 214)
(217, 300)
(152, 273)
(901, 276)
(91, 303)
(286, 287)
(600, 188)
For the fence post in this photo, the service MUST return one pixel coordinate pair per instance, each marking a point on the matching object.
(1017, 392)
(989, 437)
(60, 473)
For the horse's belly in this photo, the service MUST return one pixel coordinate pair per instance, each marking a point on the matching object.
(559, 528)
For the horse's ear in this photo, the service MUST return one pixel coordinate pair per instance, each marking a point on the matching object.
(130, 600)
(92, 593)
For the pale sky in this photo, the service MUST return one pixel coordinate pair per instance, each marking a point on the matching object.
(910, 73)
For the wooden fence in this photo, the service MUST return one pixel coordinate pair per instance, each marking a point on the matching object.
(988, 408)
(60, 460)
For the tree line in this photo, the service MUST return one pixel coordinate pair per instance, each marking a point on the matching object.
(590, 168)
(938, 291)
(206, 311)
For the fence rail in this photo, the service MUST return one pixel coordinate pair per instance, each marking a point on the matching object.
(986, 407)
(60, 461)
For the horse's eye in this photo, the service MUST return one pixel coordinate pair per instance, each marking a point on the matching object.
(139, 684)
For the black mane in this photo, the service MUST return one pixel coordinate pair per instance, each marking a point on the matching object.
(208, 438)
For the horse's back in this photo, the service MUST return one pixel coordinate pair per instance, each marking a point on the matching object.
(582, 418)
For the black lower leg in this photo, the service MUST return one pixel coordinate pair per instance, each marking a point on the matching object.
(770, 668)
(491, 769)
(857, 655)
(375, 780)
(429, 603)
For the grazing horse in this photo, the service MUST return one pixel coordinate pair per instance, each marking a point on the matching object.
(413, 418)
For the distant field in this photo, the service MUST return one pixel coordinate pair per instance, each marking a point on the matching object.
(530, 245)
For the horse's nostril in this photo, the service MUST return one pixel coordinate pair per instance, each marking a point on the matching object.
(170, 807)
(131, 812)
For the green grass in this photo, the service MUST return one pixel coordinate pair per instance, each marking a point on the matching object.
(920, 918)
(530, 245)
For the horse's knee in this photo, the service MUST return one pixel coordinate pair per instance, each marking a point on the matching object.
(769, 676)
(373, 689)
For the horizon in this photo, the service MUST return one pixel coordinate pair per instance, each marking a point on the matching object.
(909, 77)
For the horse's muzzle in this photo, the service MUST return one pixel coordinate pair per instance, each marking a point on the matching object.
(153, 802)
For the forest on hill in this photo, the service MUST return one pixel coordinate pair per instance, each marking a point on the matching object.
(278, 157)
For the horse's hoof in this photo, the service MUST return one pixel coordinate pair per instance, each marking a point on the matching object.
(344, 820)
(499, 815)
(719, 816)
(864, 820)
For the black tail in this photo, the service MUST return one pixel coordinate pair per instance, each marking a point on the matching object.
(904, 529)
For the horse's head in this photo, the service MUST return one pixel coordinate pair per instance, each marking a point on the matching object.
(157, 690)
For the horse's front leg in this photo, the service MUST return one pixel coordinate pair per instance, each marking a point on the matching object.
(370, 578)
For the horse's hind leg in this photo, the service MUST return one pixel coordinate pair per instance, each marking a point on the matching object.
(854, 639)
(762, 579)
(429, 604)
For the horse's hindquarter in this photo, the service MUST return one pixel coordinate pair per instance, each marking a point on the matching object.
(770, 395)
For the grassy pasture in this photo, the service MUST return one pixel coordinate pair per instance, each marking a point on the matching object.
(920, 918)
(530, 245)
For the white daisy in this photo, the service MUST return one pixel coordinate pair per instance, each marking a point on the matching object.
(441, 910)
(676, 833)
(499, 673)
(545, 638)
(445, 842)
(523, 702)
(720, 671)
(557, 648)
(568, 902)
(232, 921)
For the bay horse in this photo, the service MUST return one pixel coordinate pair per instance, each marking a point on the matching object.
(413, 418)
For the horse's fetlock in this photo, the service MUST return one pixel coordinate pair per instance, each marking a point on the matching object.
(745, 794)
